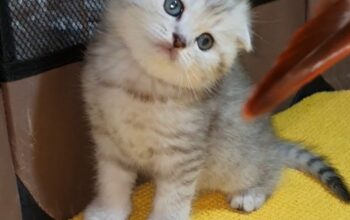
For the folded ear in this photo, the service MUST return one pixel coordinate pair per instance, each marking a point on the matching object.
(244, 38)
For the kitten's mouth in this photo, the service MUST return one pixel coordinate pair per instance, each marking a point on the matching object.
(168, 50)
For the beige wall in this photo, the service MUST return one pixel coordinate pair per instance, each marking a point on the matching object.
(49, 139)
(9, 201)
(273, 25)
(338, 76)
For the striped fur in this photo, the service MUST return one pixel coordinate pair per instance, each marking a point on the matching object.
(178, 118)
(315, 165)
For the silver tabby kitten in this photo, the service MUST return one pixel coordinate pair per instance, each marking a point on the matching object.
(163, 93)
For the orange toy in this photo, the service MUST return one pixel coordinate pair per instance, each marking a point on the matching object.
(317, 46)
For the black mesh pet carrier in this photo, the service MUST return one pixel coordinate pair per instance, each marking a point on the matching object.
(37, 35)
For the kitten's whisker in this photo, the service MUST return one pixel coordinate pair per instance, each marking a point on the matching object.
(192, 88)
(195, 76)
(210, 89)
(186, 58)
(260, 37)
(257, 18)
(258, 21)
(187, 81)
(182, 81)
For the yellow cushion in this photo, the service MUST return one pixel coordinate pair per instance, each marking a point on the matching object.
(321, 121)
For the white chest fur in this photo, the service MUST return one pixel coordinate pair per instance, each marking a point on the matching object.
(148, 132)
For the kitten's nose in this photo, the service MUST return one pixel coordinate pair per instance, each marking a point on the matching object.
(179, 41)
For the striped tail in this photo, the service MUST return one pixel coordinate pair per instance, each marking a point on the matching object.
(308, 162)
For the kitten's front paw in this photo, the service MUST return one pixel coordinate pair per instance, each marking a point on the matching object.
(249, 201)
(100, 213)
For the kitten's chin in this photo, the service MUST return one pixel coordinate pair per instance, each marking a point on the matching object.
(172, 74)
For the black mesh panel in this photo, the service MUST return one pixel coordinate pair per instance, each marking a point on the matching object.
(41, 27)
(33, 30)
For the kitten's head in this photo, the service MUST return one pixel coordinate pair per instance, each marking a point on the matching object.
(187, 43)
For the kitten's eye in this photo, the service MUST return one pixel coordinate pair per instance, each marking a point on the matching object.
(205, 41)
(173, 7)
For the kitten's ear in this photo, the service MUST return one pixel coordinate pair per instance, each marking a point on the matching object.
(244, 39)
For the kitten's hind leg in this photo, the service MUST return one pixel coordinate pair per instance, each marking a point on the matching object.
(253, 198)
(248, 201)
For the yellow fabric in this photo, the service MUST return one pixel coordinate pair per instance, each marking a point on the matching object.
(321, 122)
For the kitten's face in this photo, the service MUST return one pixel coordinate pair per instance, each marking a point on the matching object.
(187, 43)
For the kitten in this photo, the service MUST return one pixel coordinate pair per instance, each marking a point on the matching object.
(163, 93)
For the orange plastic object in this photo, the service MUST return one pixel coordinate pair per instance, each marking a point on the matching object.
(315, 47)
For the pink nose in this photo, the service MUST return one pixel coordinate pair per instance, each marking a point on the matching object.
(179, 41)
